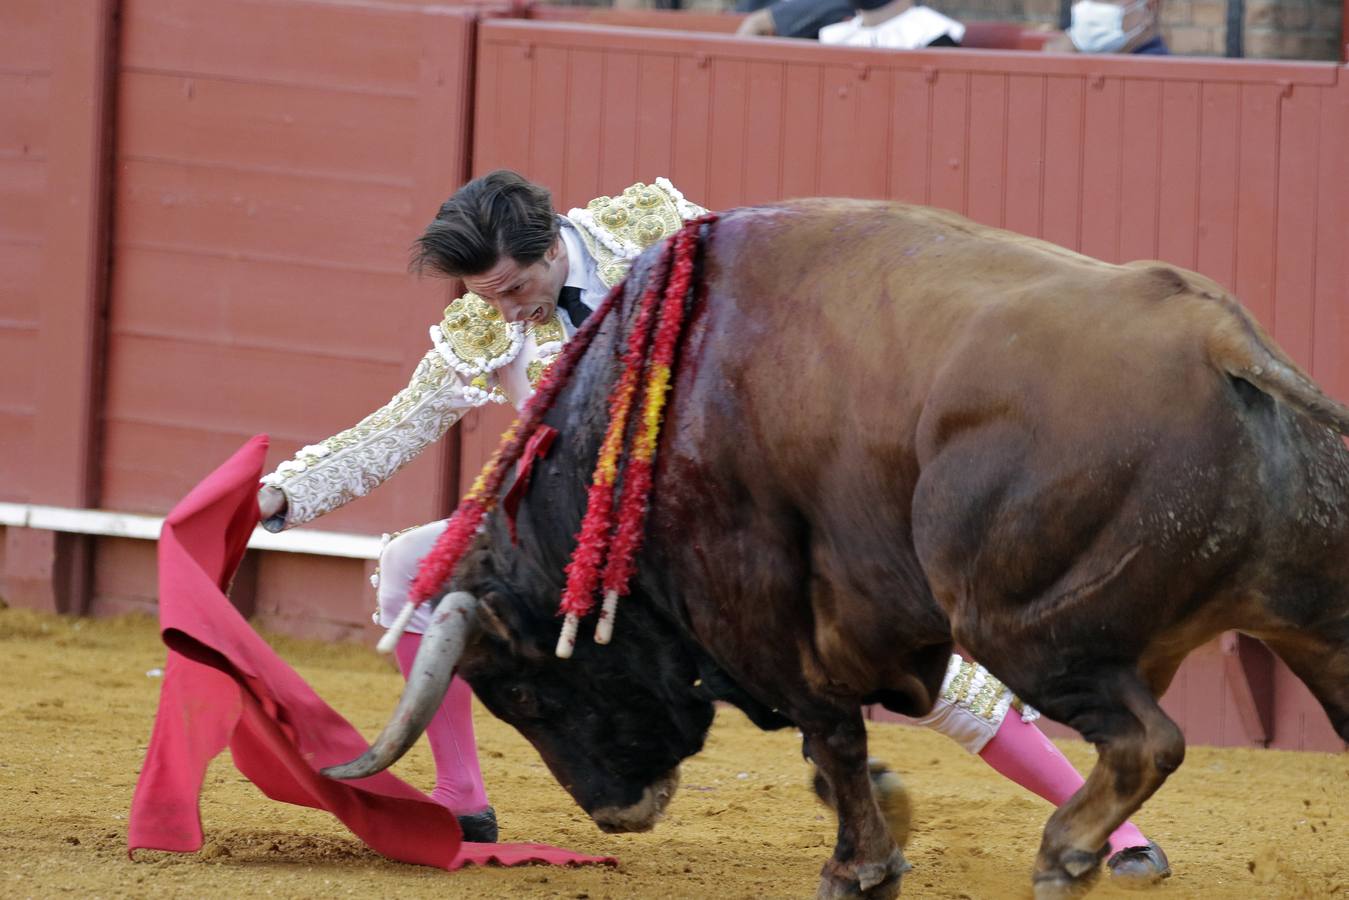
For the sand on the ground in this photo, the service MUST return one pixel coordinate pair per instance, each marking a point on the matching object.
(78, 706)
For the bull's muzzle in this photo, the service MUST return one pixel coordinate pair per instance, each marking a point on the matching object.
(642, 815)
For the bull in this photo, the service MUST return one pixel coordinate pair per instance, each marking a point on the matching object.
(891, 428)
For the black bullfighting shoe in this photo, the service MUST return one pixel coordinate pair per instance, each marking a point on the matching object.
(479, 827)
(1140, 865)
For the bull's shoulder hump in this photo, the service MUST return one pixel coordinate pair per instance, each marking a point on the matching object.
(872, 216)
(1169, 279)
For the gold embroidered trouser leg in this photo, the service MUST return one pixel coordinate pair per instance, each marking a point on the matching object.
(971, 706)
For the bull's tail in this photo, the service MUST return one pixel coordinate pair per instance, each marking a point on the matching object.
(1240, 347)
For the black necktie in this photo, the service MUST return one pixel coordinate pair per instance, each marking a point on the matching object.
(570, 300)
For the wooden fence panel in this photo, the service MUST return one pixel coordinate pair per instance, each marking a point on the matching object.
(55, 69)
(269, 188)
(25, 89)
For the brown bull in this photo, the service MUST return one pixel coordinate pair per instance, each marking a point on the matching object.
(890, 427)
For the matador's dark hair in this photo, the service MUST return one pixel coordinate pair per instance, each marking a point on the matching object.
(498, 214)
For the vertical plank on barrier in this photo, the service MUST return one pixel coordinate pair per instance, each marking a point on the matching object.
(1258, 187)
(800, 131)
(949, 163)
(656, 118)
(1218, 144)
(507, 84)
(1025, 153)
(618, 122)
(1293, 245)
(1064, 145)
(486, 87)
(25, 104)
(74, 274)
(872, 135)
(73, 291)
(692, 120)
(987, 147)
(580, 171)
(549, 142)
(1330, 332)
(910, 145)
(728, 133)
(1102, 168)
(766, 121)
(1140, 169)
(1178, 191)
(838, 115)
(849, 100)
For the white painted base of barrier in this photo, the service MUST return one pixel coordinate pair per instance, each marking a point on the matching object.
(131, 525)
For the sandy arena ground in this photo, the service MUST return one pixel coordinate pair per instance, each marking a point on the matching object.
(78, 707)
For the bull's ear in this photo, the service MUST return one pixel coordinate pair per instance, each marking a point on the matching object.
(491, 620)
(498, 618)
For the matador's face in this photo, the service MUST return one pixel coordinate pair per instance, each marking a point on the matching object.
(523, 293)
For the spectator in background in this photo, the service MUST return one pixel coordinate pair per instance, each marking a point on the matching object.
(893, 24)
(1113, 26)
(790, 18)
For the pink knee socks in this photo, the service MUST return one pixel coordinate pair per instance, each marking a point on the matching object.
(459, 784)
(1021, 752)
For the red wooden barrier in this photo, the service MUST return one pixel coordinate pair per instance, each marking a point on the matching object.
(53, 168)
(25, 88)
(270, 184)
(1231, 168)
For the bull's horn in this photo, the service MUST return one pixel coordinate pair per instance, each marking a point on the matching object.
(439, 653)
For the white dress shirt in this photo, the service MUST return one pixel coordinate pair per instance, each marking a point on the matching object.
(581, 273)
(912, 29)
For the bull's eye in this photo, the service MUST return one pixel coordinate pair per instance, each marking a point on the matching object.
(521, 697)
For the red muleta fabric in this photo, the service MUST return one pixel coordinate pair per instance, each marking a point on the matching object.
(223, 686)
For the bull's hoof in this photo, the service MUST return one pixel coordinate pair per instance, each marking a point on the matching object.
(1076, 872)
(893, 799)
(1139, 866)
(873, 881)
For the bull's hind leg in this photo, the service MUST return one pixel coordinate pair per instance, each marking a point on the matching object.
(1138, 746)
(866, 861)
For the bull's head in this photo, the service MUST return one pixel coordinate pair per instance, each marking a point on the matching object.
(612, 723)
